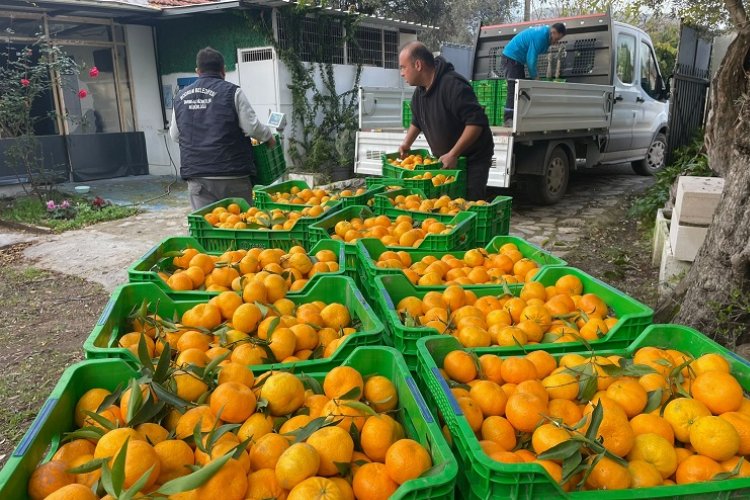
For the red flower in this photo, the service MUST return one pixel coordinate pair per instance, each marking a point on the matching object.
(25, 82)
(82, 94)
(94, 72)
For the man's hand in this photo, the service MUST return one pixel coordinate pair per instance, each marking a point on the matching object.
(449, 161)
(403, 150)
(271, 143)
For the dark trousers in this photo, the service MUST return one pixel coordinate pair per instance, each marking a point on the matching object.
(477, 174)
(204, 191)
(513, 71)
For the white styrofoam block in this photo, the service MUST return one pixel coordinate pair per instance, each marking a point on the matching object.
(696, 199)
(686, 240)
(671, 270)
(661, 235)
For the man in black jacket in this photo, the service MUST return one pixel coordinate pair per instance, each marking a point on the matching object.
(445, 108)
(213, 122)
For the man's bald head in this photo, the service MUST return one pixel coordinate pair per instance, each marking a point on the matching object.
(417, 51)
(417, 64)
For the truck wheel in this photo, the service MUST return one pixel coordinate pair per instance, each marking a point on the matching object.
(655, 159)
(550, 187)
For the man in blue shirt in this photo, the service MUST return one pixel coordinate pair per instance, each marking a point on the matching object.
(522, 50)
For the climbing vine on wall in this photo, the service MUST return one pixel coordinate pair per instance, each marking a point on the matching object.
(324, 121)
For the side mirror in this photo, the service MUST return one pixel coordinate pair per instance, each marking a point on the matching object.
(666, 92)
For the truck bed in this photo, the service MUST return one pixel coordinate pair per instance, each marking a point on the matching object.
(543, 110)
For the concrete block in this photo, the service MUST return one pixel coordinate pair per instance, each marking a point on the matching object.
(661, 235)
(671, 269)
(686, 240)
(696, 199)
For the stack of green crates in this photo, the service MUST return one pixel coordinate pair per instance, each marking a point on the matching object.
(491, 95)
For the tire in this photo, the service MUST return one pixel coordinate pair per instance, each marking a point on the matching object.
(655, 159)
(550, 187)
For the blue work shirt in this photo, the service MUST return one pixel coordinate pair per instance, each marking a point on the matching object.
(526, 46)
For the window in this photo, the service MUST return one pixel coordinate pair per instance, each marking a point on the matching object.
(316, 41)
(108, 104)
(649, 72)
(390, 43)
(625, 58)
(367, 47)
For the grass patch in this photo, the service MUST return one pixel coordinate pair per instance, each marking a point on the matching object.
(28, 210)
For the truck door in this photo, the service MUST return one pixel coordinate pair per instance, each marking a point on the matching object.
(627, 93)
(652, 110)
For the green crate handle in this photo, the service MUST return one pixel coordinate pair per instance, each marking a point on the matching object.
(426, 414)
(447, 390)
(739, 358)
(35, 428)
(105, 313)
(150, 252)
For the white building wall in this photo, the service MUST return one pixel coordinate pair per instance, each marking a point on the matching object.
(147, 100)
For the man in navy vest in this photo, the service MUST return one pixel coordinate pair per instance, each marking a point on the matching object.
(522, 50)
(213, 122)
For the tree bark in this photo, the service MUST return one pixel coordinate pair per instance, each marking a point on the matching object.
(721, 270)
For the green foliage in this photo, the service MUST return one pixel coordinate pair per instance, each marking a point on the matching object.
(324, 121)
(688, 160)
(29, 210)
(732, 320)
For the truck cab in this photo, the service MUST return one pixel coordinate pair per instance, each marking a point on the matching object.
(605, 102)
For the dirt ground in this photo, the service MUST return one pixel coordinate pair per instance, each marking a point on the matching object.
(44, 319)
(617, 250)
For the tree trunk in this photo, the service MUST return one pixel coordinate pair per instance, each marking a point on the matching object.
(526, 10)
(718, 284)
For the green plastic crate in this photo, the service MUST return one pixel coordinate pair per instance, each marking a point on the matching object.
(482, 477)
(459, 238)
(216, 239)
(102, 342)
(493, 219)
(370, 249)
(262, 198)
(455, 189)
(632, 316)
(390, 170)
(56, 417)
(142, 270)
(269, 162)
(491, 95)
(406, 113)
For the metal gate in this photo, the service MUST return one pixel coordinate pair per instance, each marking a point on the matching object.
(689, 88)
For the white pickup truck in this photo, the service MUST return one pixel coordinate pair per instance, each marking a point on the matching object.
(611, 109)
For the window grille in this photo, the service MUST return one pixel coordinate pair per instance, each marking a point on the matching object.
(253, 55)
(367, 47)
(317, 41)
(391, 49)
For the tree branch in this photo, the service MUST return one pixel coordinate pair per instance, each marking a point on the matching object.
(737, 12)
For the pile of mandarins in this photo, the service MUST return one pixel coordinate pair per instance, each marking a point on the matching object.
(268, 436)
(401, 231)
(476, 267)
(443, 205)
(558, 313)
(232, 217)
(412, 161)
(666, 418)
(306, 196)
(200, 271)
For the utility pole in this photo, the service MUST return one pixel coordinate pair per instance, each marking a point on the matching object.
(527, 10)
